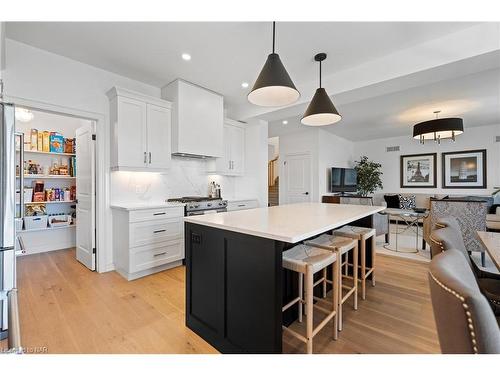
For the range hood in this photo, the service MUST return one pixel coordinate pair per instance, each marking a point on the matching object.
(197, 120)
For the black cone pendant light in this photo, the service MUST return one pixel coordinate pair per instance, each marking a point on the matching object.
(273, 87)
(321, 110)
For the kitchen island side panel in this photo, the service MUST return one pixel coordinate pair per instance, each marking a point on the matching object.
(234, 289)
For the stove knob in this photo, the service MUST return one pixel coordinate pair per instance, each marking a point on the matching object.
(209, 204)
(196, 206)
(221, 204)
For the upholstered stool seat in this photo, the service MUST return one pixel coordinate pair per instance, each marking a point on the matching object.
(308, 260)
(341, 246)
(362, 235)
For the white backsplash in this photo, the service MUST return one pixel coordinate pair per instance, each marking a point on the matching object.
(185, 177)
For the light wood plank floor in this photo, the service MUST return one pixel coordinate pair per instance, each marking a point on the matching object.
(68, 309)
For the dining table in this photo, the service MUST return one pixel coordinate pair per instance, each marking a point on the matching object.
(491, 241)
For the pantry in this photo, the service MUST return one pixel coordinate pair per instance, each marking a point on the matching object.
(46, 170)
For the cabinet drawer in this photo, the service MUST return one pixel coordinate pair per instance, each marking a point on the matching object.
(150, 232)
(242, 205)
(145, 257)
(156, 214)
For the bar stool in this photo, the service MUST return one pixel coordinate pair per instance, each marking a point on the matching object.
(307, 261)
(362, 235)
(341, 246)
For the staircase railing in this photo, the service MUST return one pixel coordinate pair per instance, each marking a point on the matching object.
(271, 171)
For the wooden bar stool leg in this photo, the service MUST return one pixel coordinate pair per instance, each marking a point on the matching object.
(324, 283)
(335, 296)
(355, 276)
(374, 242)
(346, 268)
(363, 268)
(309, 308)
(339, 296)
(301, 295)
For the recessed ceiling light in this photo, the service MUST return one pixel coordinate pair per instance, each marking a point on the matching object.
(186, 56)
(244, 85)
(284, 122)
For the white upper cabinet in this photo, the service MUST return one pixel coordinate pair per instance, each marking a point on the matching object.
(140, 131)
(197, 119)
(159, 129)
(232, 163)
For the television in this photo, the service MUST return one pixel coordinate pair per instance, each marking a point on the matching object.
(344, 180)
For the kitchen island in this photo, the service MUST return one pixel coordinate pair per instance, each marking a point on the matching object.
(235, 284)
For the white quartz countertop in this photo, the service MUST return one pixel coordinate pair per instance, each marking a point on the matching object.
(145, 205)
(289, 223)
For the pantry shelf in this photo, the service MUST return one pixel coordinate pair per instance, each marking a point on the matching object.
(48, 202)
(47, 153)
(47, 228)
(49, 176)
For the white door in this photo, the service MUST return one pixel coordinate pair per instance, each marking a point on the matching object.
(131, 134)
(85, 195)
(297, 178)
(159, 142)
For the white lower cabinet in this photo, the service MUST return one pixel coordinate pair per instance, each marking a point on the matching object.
(146, 241)
(238, 205)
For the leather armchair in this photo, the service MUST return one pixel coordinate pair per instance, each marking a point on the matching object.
(448, 237)
(464, 321)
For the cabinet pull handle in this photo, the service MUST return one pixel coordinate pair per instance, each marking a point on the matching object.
(229, 163)
(150, 157)
(159, 231)
(145, 157)
(157, 255)
(241, 205)
(159, 213)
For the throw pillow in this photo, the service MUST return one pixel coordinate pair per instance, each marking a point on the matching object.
(392, 201)
(407, 203)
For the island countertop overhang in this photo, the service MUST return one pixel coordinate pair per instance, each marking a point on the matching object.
(290, 223)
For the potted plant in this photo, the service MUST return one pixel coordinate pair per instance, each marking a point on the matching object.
(369, 174)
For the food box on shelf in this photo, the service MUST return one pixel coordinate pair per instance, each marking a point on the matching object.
(59, 220)
(56, 143)
(46, 141)
(28, 195)
(35, 222)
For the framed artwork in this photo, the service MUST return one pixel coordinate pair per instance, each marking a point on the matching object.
(464, 169)
(418, 171)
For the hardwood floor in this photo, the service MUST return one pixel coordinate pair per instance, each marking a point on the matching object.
(67, 309)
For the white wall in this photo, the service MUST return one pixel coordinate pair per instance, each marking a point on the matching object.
(334, 151)
(482, 137)
(326, 149)
(2, 47)
(254, 183)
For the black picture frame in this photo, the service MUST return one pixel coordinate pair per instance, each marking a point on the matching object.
(402, 167)
(446, 169)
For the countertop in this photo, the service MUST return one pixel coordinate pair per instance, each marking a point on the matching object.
(145, 205)
(289, 223)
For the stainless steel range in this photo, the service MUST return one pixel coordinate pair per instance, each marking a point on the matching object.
(201, 205)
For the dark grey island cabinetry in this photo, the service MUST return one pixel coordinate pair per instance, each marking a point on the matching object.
(235, 285)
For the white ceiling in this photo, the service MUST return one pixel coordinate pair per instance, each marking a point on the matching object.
(224, 54)
(383, 76)
(469, 89)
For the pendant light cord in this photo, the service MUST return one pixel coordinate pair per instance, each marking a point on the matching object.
(274, 34)
(320, 74)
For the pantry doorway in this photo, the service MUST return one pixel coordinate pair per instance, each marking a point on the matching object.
(58, 210)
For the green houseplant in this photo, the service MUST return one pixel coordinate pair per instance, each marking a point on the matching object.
(369, 174)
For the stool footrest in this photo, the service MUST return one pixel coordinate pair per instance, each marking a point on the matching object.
(291, 303)
(295, 334)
